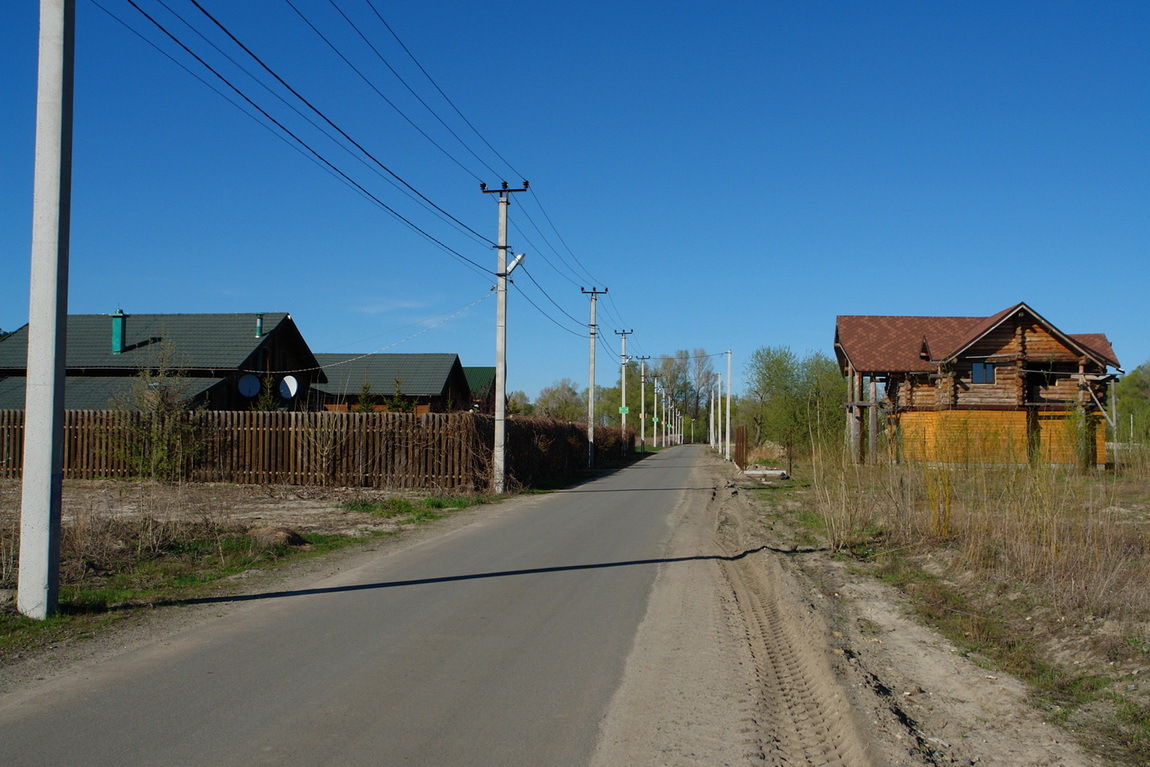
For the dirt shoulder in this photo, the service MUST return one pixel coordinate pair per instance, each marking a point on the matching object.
(921, 700)
(760, 648)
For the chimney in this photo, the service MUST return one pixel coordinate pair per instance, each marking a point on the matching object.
(259, 326)
(118, 326)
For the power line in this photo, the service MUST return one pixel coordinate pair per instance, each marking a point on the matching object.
(488, 144)
(307, 146)
(557, 323)
(371, 85)
(418, 98)
(328, 120)
(549, 298)
(441, 93)
(325, 131)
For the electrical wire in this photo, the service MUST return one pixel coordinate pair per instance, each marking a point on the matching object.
(488, 144)
(440, 90)
(282, 100)
(549, 298)
(371, 85)
(308, 147)
(356, 358)
(418, 98)
(557, 323)
(328, 120)
(534, 195)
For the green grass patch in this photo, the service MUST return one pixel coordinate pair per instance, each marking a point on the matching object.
(361, 505)
(395, 506)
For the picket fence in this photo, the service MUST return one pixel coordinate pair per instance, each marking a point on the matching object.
(393, 450)
(449, 451)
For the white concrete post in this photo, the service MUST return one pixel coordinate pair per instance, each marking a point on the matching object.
(38, 588)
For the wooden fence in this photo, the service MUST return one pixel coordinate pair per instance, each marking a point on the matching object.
(385, 450)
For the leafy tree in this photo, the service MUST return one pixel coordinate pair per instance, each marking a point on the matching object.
(703, 381)
(675, 378)
(561, 401)
(1134, 404)
(519, 404)
(793, 400)
(163, 441)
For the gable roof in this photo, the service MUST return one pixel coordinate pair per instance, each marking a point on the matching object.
(419, 375)
(480, 380)
(196, 341)
(103, 393)
(911, 344)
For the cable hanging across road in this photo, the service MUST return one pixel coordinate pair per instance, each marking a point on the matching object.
(328, 120)
(482, 270)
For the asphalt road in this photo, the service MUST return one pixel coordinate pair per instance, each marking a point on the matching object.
(499, 643)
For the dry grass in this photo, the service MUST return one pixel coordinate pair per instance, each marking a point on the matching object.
(1083, 537)
(1044, 570)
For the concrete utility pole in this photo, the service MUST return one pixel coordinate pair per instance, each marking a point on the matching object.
(655, 418)
(623, 385)
(499, 451)
(643, 404)
(38, 587)
(728, 404)
(719, 414)
(666, 409)
(594, 293)
(711, 416)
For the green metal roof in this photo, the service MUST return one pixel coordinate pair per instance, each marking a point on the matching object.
(479, 379)
(94, 393)
(195, 341)
(419, 375)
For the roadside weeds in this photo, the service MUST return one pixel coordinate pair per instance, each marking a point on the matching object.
(1085, 661)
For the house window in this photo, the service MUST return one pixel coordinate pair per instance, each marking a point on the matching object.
(982, 372)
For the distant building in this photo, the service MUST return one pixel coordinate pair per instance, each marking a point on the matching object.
(223, 359)
(420, 383)
(1009, 388)
(481, 381)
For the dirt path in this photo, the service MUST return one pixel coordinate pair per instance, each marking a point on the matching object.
(755, 653)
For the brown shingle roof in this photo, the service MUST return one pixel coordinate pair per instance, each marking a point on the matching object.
(887, 344)
(1099, 344)
(879, 344)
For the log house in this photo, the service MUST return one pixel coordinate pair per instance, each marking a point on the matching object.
(1009, 388)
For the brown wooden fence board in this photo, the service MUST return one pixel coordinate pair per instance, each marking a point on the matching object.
(442, 451)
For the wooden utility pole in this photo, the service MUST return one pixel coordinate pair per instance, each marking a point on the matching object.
(499, 452)
(872, 423)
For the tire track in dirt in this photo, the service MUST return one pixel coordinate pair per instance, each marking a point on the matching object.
(807, 717)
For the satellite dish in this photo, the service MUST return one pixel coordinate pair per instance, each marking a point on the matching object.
(288, 387)
(249, 385)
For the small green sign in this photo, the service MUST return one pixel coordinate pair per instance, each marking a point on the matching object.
(655, 419)
(624, 410)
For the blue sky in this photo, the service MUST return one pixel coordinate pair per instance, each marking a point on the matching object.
(736, 174)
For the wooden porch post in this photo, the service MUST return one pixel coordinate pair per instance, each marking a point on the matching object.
(872, 434)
